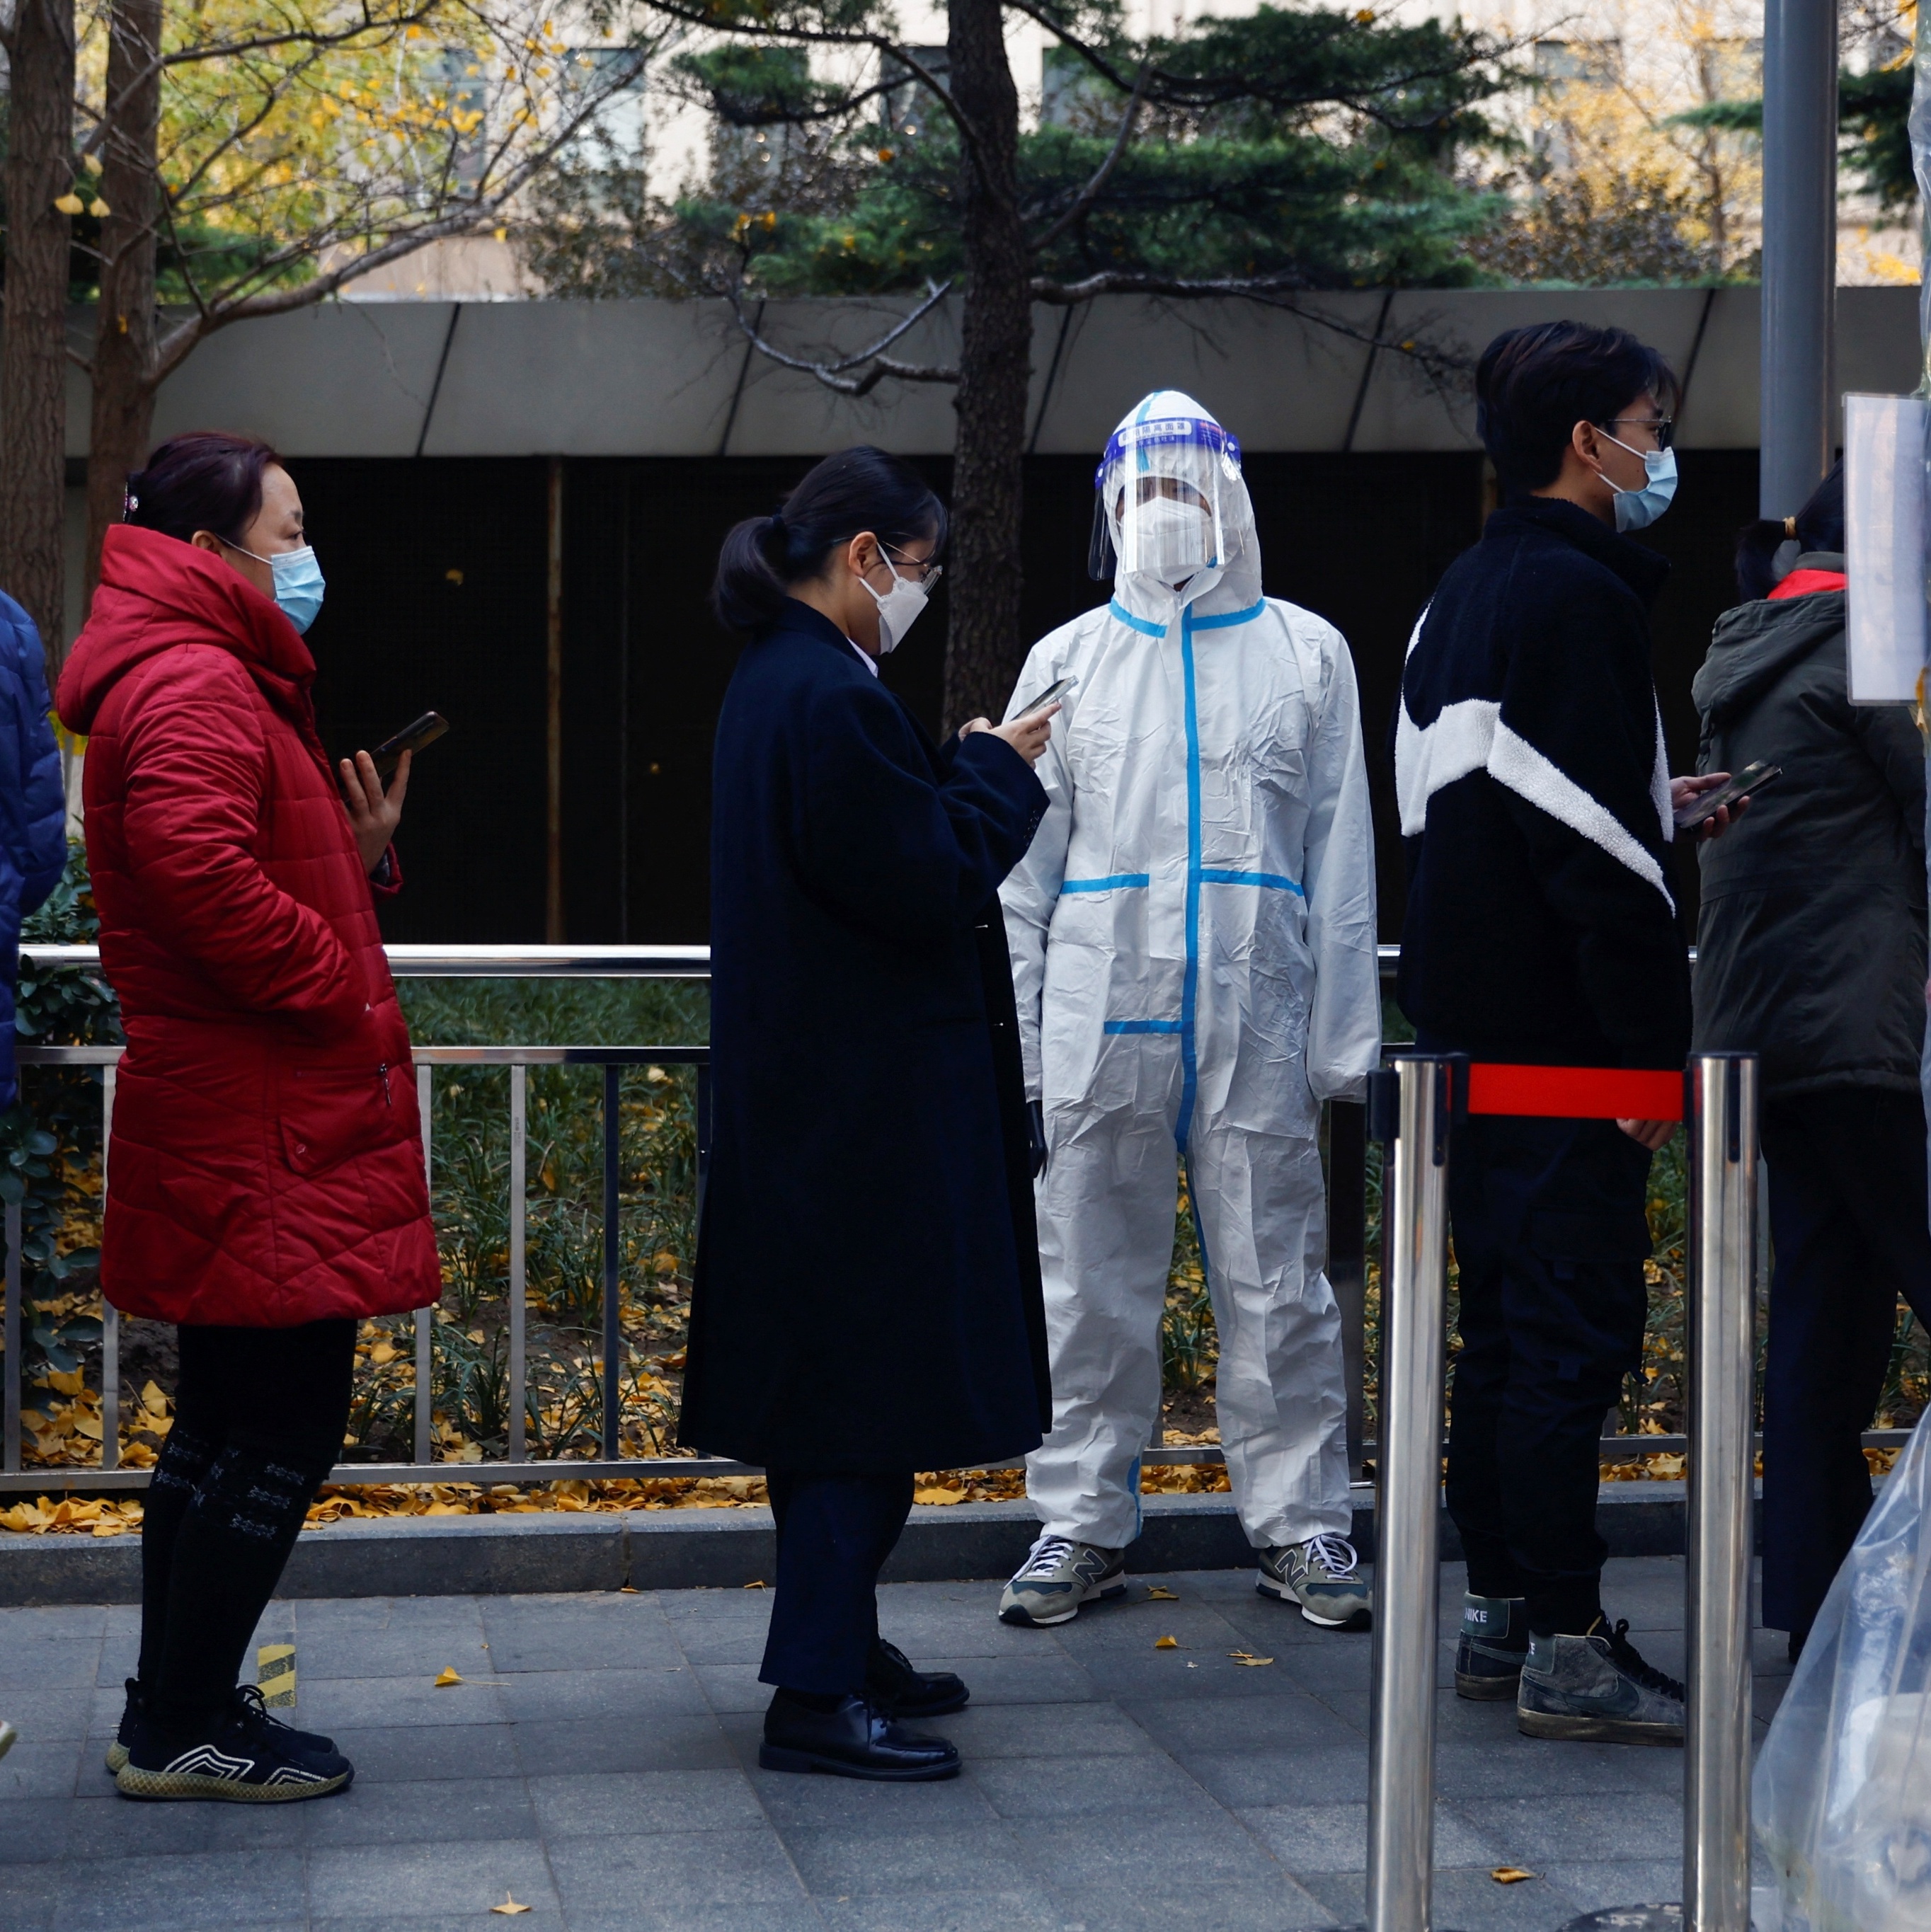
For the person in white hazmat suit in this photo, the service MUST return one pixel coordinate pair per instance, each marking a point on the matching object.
(1192, 938)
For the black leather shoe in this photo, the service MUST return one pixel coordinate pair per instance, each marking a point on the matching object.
(854, 1740)
(893, 1686)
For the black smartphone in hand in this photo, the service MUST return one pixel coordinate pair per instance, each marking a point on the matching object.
(1753, 777)
(425, 730)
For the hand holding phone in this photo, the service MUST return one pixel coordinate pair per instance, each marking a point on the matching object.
(1052, 694)
(425, 730)
(1753, 778)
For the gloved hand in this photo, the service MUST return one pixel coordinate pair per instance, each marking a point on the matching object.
(1035, 1136)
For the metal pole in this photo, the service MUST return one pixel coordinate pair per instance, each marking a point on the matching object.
(1401, 1717)
(519, 1142)
(1798, 430)
(613, 1332)
(1722, 1112)
(425, 1317)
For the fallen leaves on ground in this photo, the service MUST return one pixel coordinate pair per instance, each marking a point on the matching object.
(1510, 1874)
(1157, 1593)
(72, 1516)
(1663, 1467)
(1166, 1643)
(448, 1679)
(509, 1908)
(1248, 1658)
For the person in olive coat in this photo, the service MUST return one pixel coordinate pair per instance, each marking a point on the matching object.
(867, 1299)
(1811, 952)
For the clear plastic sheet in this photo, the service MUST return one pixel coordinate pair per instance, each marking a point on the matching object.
(1841, 1798)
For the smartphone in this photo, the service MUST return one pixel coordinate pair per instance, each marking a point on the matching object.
(1751, 779)
(425, 730)
(1052, 694)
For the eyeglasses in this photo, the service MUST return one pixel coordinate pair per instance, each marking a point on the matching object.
(928, 573)
(1664, 426)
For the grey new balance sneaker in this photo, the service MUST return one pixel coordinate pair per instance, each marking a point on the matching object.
(1596, 1687)
(1324, 1576)
(1057, 1577)
(1494, 1641)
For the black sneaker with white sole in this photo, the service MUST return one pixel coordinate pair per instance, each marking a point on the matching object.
(245, 1756)
(131, 1716)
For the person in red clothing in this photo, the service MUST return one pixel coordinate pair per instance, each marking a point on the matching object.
(267, 1187)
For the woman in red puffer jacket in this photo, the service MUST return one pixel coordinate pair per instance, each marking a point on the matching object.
(268, 1186)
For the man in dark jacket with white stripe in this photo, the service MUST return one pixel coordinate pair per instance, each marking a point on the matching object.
(1541, 929)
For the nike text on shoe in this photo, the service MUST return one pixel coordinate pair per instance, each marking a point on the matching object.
(1494, 1641)
(1596, 1688)
(1324, 1576)
(1057, 1577)
(244, 1756)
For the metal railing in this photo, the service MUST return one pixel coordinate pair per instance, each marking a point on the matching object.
(1347, 1226)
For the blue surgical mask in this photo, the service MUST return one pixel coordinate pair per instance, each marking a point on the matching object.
(1637, 509)
(299, 582)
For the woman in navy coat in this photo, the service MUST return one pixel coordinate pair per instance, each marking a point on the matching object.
(867, 1298)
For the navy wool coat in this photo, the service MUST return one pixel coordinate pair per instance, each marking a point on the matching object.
(33, 805)
(867, 1294)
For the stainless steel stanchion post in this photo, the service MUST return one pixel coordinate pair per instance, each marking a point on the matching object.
(1414, 1295)
(1721, 1114)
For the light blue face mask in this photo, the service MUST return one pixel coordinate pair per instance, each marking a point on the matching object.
(1637, 509)
(299, 582)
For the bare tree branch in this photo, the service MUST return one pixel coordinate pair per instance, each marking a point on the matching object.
(832, 374)
(1090, 194)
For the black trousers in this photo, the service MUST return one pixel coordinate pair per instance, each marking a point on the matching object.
(1550, 1237)
(1847, 1208)
(834, 1533)
(259, 1414)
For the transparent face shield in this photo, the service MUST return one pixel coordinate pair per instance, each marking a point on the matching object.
(1167, 502)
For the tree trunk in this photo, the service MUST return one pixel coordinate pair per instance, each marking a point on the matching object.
(33, 355)
(984, 651)
(125, 347)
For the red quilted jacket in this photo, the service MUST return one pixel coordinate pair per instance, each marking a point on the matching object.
(267, 1162)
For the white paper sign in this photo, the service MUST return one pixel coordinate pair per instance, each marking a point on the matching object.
(1884, 545)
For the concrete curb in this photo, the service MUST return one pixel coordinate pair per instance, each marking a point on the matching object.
(682, 1549)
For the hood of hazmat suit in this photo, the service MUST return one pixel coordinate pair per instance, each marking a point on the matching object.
(1193, 937)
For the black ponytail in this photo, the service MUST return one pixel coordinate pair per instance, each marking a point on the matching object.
(860, 489)
(1818, 525)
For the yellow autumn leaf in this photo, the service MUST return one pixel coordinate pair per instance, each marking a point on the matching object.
(1510, 1874)
(67, 1383)
(756, 1583)
(70, 203)
(509, 1908)
(152, 1399)
(98, 208)
(447, 1679)
(934, 1494)
(1247, 1657)
(1166, 1643)
(1158, 1593)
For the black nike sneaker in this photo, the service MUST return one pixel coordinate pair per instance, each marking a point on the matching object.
(131, 1716)
(245, 1756)
(1492, 1648)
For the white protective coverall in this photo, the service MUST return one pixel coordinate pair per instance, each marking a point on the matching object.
(1193, 939)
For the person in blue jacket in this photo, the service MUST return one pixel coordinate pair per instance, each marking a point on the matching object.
(33, 825)
(33, 806)
(867, 1298)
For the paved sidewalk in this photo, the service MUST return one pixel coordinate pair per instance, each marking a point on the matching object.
(599, 1765)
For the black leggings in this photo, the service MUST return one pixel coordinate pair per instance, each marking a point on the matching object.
(259, 1415)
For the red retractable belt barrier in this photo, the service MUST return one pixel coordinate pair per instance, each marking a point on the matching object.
(1576, 1092)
